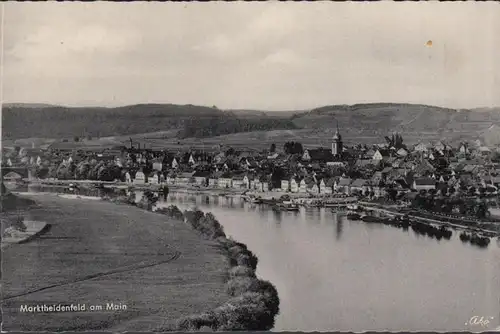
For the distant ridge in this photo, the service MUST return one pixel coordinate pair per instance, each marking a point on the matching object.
(29, 105)
(357, 122)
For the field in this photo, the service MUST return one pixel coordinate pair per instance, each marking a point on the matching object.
(98, 253)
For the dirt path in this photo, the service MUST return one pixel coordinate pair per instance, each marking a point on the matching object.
(98, 253)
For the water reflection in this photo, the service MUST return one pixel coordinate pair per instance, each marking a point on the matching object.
(340, 227)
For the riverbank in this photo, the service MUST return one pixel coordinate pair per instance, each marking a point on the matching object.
(271, 196)
(443, 221)
(253, 303)
(98, 253)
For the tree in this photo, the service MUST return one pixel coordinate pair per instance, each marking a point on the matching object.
(273, 148)
(76, 139)
(293, 148)
(396, 141)
(276, 176)
(392, 193)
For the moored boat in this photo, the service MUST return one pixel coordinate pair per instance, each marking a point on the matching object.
(353, 216)
(286, 206)
(370, 219)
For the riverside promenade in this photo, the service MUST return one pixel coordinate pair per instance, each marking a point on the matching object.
(123, 268)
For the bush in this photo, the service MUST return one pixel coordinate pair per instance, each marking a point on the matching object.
(241, 256)
(196, 322)
(147, 201)
(241, 271)
(245, 312)
(239, 285)
(172, 211)
(193, 218)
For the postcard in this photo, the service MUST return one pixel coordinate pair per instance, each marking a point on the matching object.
(271, 166)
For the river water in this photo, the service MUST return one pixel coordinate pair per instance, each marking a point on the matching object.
(337, 275)
(334, 274)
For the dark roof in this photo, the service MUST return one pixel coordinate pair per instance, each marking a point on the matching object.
(425, 181)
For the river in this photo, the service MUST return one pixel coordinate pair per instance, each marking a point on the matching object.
(334, 274)
(337, 275)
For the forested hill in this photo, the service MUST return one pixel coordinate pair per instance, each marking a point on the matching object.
(66, 122)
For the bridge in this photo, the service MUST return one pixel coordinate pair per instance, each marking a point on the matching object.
(24, 172)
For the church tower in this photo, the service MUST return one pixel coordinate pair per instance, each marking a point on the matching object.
(337, 143)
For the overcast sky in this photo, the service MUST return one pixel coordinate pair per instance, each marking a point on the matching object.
(252, 55)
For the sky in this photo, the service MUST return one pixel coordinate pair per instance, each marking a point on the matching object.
(268, 56)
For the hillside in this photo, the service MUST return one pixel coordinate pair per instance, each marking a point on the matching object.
(165, 125)
(64, 122)
(416, 122)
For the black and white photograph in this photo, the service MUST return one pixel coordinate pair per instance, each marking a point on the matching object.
(250, 166)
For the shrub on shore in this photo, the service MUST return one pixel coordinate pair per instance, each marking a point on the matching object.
(197, 321)
(148, 200)
(172, 211)
(245, 312)
(241, 271)
(206, 224)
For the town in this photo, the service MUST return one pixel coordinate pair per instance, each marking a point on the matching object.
(431, 176)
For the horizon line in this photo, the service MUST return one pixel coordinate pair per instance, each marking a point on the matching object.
(46, 104)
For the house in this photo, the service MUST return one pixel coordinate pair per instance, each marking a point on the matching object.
(336, 163)
(118, 162)
(170, 178)
(128, 179)
(326, 186)
(240, 181)
(225, 182)
(359, 185)
(294, 185)
(420, 147)
(184, 178)
(312, 187)
(213, 180)
(256, 184)
(285, 185)
(139, 178)
(158, 166)
(424, 183)
(154, 178)
(378, 189)
(303, 186)
(367, 163)
(402, 152)
(191, 159)
(273, 156)
(265, 180)
(175, 163)
(380, 154)
(343, 185)
(201, 178)
(463, 149)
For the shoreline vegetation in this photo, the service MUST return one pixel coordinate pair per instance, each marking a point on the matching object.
(252, 303)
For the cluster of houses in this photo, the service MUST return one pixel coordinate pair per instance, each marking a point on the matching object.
(359, 169)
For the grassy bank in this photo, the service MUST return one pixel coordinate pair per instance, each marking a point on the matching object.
(99, 252)
(252, 303)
